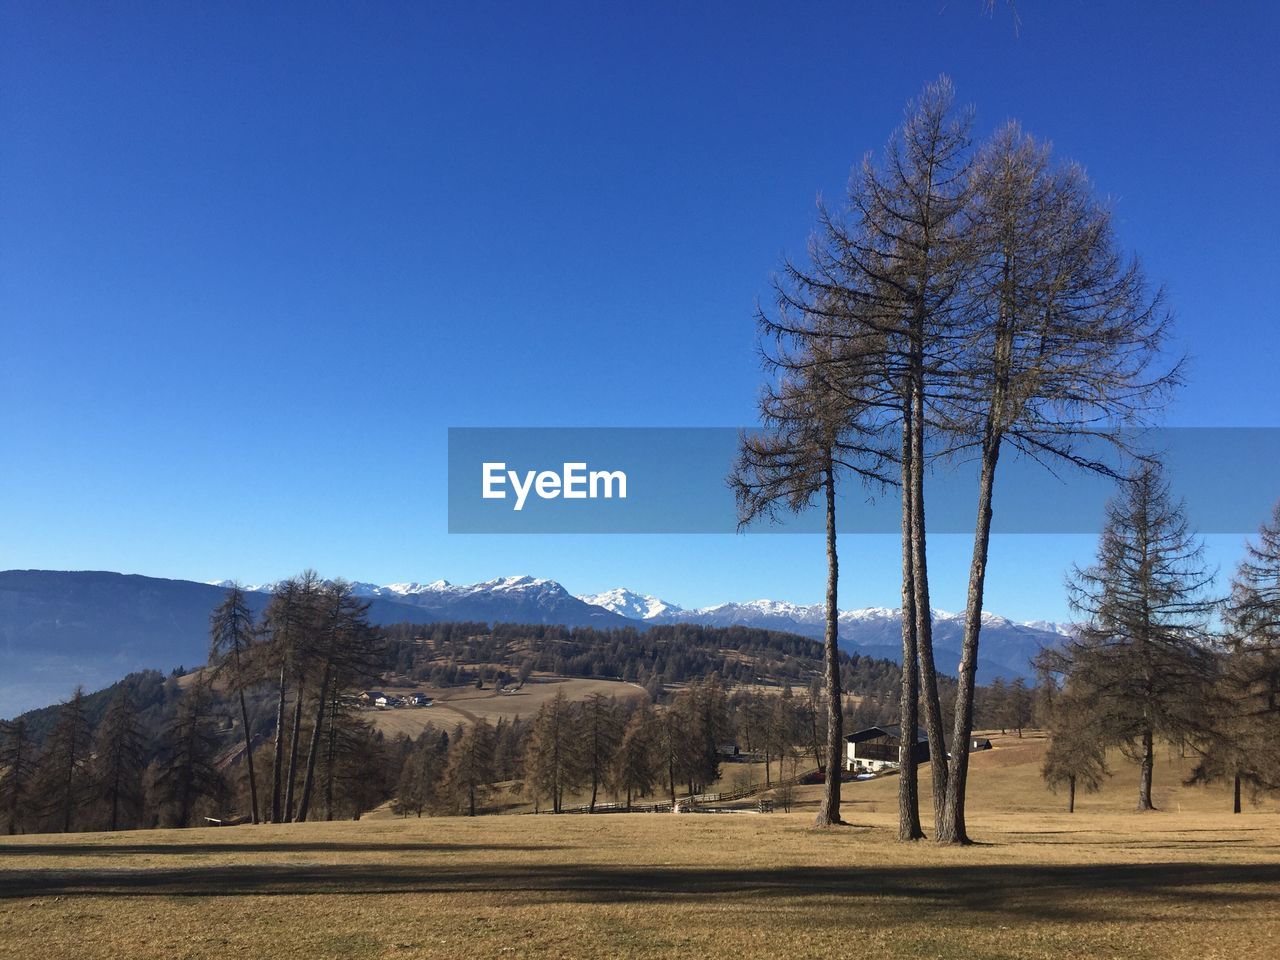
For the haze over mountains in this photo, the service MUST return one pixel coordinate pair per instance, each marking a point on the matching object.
(59, 628)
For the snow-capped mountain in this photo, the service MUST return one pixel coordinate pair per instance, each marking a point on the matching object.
(1006, 648)
(521, 599)
(636, 606)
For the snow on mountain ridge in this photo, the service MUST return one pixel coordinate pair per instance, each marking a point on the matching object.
(628, 603)
(648, 608)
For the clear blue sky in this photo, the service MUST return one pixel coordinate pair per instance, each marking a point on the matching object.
(255, 259)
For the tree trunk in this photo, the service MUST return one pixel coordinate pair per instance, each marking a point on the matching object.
(1071, 794)
(908, 786)
(953, 828)
(330, 758)
(818, 759)
(278, 760)
(1235, 806)
(829, 812)
(313, 749)
(924, 612)
(1148, 765)
(248, 742)
(294, 735)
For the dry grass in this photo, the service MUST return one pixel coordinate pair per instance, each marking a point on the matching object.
(1189, 882)
(465, 705)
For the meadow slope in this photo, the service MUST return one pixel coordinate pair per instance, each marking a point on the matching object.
(1192, 881)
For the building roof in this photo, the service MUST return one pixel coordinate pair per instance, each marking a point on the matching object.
(891, 730)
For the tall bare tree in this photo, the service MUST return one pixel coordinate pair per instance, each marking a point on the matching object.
(635, 770)
(232, 636)
(469, 773)
(344, 651)
(17, 769)
(289, 618)
(63, 779)
(600, 735)
(815, 430)
(119, 761)
(188, 774)
(894, 262)
(1065, 350)
(553, 752)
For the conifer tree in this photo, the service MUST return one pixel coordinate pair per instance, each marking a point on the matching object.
(63, 772)
(186, 774)
(119, 762)
(17, 770)
(1143, 654)
(1064, 349)
(1077, 754)
(469, 773)
(1243, 745)
(232, 635)
(635, 770)
(599, 732)
(553, 752)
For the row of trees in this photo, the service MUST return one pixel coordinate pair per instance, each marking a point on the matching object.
(1159, 657)
(662, 656)
(164, 753)
(966, 299)
(181, 753)
(313, 644)
(624, 749)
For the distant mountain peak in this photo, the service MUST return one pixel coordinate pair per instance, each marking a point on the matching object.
(629, 603)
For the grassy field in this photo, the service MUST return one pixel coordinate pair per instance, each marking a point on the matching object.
(1190, 881)
(465, 705)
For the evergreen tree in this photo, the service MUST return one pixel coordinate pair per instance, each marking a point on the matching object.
(1142, 655)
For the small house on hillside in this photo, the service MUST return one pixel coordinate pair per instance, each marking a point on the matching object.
(387, 700)
(876, 748)
(419, 700)
(371, 696)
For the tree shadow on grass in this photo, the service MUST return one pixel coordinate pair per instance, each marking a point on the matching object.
(263, 847)
(874, 894)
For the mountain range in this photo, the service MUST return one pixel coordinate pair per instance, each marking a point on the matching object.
(59, 628)
(1006, 648)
